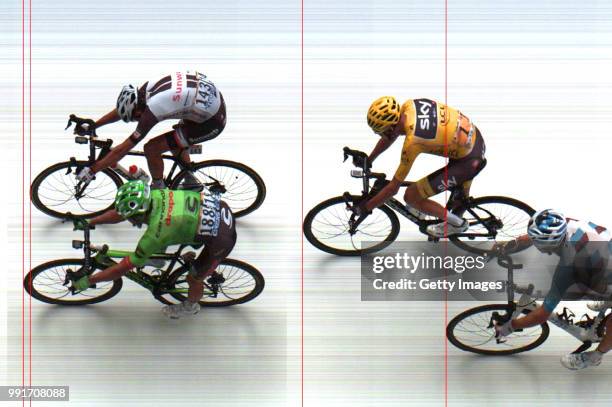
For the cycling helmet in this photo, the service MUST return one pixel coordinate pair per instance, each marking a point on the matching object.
(547, 229)
(133, 199)
(126, 102)
(383, 113)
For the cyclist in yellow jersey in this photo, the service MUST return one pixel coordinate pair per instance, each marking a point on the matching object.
(433, 128)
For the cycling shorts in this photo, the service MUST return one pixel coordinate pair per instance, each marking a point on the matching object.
(187, 132)
(458, 172)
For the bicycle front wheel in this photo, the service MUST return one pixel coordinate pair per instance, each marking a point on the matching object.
(46, 284)
(242, 282)
(469, 331)
(326, 227)
(492, 219)
(53, 191)
(245, 190)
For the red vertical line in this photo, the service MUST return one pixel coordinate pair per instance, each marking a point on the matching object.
(29, 179)
(302, 206)
(446, 195)
(22, 192)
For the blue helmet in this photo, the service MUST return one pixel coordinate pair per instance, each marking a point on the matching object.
(547, 229)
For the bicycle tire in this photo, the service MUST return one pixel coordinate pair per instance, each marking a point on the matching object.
(36, 184)
(463, 242)
(486, 308)
(35, 272)
(257, 289)
(312, 214)
(257, 180)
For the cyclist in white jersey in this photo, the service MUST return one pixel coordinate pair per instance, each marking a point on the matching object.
(584, 251)
(187, 96)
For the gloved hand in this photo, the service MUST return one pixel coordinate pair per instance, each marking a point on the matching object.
(86, 175)
(83, 129)
(359, 161)
(80, 224)
(359, 208)
(503, 330)
(81, 284)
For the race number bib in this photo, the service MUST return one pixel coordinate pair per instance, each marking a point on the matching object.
(464, 133)
(211, 215)
(206, 92)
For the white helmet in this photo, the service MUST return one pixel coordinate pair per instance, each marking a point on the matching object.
(126, 102)
(547, 229)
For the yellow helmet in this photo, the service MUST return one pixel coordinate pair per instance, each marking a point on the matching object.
(383, 113)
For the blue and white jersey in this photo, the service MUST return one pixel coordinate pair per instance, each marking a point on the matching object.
(587, 245)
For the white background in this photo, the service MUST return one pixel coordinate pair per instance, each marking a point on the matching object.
(534, 78)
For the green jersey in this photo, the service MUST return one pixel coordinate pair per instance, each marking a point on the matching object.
(173, 219)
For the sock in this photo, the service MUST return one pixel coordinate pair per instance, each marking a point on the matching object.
(454, 219)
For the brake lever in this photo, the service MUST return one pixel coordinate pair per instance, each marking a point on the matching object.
(346, 154)
(70, 121)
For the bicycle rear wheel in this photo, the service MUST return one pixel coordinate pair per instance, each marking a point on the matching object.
(47, 285)
(245, 189)
(469, 331)
(53, 191)
(326, 227)
(243, 282)
(492, 219)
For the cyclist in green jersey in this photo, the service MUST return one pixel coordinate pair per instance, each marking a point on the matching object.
(172, 217)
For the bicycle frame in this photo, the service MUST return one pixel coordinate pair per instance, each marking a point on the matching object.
(588, 332)
(456, 196)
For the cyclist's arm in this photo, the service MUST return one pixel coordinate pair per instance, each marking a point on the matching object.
(382, 144)
(145, 124)
(561, 281)
(383, 195)
(148, 245)
(111, 273)
(110, 216)
(114, 155)
(409, 154)
(110, 117)
(520, 243)
(536, 317)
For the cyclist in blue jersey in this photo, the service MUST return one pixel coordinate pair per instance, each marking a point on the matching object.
(550, 232)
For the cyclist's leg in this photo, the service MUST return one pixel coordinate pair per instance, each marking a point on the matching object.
(153, 150)
(458, 173)
(606, 342)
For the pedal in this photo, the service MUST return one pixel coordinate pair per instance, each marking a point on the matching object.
(77, 244)
(81, 140)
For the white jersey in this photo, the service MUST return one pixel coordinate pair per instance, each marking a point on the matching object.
(185, 95)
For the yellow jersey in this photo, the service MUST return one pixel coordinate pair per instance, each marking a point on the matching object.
(434, 128)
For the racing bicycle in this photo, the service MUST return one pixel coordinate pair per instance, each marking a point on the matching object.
(164, 275)
(473, 330)
(333, 227)
(56, 192)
